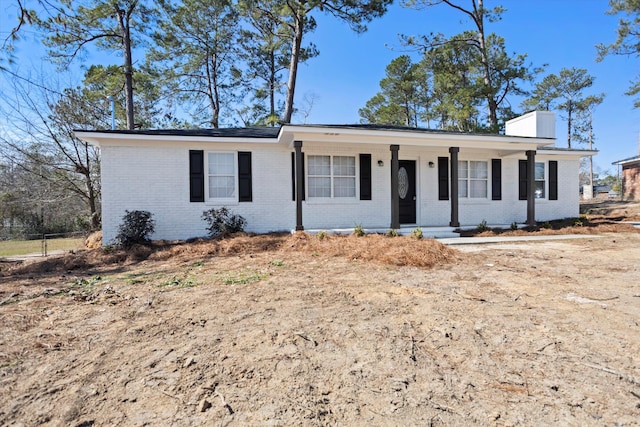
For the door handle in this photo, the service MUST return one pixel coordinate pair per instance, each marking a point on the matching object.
(414, 198)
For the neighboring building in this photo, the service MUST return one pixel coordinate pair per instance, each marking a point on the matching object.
(630, 177)
(601, 192)
(326, 177)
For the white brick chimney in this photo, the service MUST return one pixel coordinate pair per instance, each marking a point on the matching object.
(537, 124)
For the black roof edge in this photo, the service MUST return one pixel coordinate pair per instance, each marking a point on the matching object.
(248, 132)
(273, 132)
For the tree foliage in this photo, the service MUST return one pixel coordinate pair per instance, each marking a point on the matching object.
(25, 15)
(565, 91)
(196, 53)
(628, 37)
(30, 205)
(266, 48)
(295, 17)
(496, 73)
(448, 85)
(106, 23)
(402, 100)
(42, 143)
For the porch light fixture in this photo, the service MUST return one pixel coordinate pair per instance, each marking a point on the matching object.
(380, 163)
(431, 164)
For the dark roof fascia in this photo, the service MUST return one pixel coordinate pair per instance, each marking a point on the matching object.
(274, 132)
(250, 132)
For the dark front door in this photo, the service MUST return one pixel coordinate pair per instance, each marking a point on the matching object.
(407, 191)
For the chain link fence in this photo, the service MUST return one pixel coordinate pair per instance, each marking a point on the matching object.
(47, 242)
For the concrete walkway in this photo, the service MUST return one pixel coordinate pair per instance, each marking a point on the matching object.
(505, 239)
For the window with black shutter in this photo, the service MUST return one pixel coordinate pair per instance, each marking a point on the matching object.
(553, 180)
(443, 178)
(522, 180)
(244, 177)
(365, 176)
(196, 175)
(496, 179)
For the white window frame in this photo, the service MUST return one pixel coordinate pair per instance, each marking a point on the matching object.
(332, 177)
(543, 181)
(208, 174)
(468, 179)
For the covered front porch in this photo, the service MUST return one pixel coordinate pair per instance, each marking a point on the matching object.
(421, 186)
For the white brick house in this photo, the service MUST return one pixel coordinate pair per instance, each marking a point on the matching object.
(326, 177)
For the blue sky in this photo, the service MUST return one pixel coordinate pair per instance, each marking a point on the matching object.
(560, 33)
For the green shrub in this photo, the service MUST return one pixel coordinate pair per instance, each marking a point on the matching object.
(417, 233)
(514, 226)
(546, 225)
(391, 233)
(321, 235)
(222, 222)
(136, 228)
(358, 230)
(483, 226)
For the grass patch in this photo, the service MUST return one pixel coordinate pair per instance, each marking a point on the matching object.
(176, 282)
(140, 278)
(84, 286)
(243, 278)
(24, 247)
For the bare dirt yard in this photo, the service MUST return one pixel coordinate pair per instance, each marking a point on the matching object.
(295, 330)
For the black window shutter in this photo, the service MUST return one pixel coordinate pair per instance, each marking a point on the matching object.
(553, 180)
(496, 179)
(196, 175)
(365, 176)
(293, 176)
(522, 180)
(244, 177)
(443, 178)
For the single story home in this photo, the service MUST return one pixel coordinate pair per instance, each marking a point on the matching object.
(630, 177)
(329, 177)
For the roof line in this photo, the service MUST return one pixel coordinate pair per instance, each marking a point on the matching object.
(627, 160)
(273, 132)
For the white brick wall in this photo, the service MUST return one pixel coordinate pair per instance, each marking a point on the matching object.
(156, 178)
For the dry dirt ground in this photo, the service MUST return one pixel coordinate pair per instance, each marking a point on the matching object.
(291, 330)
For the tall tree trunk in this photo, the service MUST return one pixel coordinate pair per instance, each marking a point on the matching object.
(91, 201)
(212, 90)
(124, 19)
(484, 57)
(569, 120)
(272, 85)
(91, 190)
(298, 31)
